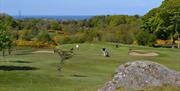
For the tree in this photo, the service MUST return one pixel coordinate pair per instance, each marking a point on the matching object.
(55, 25)
(175, 20)
(5, 40)
(162, 21)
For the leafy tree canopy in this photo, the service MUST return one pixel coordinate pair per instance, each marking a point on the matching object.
(164, 21)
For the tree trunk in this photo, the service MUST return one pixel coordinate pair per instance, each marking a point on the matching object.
(173, 42)
(179, 42)
(9, 51)
(3, 52)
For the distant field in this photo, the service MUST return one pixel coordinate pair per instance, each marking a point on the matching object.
(86, 71)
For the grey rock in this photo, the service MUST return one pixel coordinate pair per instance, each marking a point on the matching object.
(142, 74)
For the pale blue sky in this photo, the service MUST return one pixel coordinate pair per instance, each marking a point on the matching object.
(77, 7)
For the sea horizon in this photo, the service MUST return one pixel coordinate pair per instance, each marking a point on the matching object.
(56, 17)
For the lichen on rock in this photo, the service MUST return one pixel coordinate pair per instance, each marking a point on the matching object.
(142, 74)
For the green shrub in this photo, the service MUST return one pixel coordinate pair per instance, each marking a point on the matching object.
(65, 40)
(145, 38)
(44, 36)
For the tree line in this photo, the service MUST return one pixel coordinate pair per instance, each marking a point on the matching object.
(159, 23)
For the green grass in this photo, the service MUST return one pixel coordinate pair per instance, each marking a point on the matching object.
(88, 70)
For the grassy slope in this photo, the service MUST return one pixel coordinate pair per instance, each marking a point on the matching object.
(87, 62)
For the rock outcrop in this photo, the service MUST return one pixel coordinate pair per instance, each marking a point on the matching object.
(142, 74)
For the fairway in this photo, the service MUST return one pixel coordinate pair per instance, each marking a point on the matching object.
(87, 70)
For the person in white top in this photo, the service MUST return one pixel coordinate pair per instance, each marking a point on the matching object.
(77, 46)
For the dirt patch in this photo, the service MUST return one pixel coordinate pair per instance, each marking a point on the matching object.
(142, 53)
(43, 52)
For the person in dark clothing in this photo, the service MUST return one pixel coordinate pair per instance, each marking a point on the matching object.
(105, 52)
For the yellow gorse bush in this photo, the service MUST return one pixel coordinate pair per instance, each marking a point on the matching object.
(38, 44)
(163, 42)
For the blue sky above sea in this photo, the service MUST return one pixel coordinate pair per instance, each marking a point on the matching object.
(77, 7)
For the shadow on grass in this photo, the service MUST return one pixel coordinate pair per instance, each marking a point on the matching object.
(19, 61)
(17, 68)
(75, 75)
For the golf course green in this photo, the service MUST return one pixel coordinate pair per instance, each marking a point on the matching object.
(33, 69)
